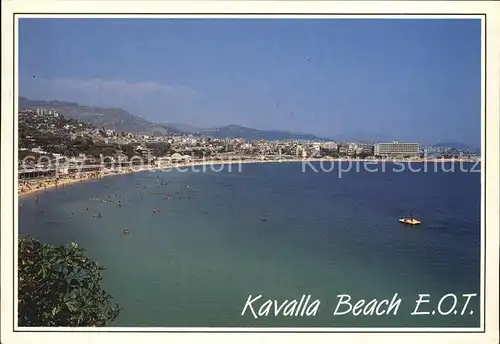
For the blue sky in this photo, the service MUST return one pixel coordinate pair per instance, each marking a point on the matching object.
(412, 80)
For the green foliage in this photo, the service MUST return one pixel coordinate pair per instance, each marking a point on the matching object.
(201, 153)
(363, 155)
(68, 147)
(333, 153)
(160, 148)
(59, 286)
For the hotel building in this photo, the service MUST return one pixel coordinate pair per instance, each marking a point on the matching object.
(397, 149)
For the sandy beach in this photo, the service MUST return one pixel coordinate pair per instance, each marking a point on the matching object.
(28, 187)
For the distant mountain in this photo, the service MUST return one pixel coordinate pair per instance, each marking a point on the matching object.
(455, 145)
(238, 131)
(121, 120)
(112, 118)
(363, 137)
(186, 128)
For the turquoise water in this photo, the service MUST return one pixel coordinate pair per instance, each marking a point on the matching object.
(196, 261)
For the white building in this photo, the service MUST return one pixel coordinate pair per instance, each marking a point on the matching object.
(397, 149)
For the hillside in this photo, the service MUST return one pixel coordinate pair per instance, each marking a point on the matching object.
(112, 118)
(121, 120)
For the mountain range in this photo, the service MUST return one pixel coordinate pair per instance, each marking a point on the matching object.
(111, 118)
(452, 144)
(121, 120)
(455, 145)
(236, 131)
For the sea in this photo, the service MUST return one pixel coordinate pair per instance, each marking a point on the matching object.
(204, 241)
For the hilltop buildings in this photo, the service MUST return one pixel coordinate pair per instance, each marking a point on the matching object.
(46, 132)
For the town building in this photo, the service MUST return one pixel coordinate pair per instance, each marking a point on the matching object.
(364, 148)
(397, 149)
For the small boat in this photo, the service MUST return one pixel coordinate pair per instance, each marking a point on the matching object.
(409, 221)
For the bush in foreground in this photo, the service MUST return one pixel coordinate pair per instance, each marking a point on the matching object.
(59, 286)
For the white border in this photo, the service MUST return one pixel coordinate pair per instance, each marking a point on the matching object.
(282, 7)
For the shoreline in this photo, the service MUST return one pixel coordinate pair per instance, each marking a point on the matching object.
(51, 183)
(36, 185)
